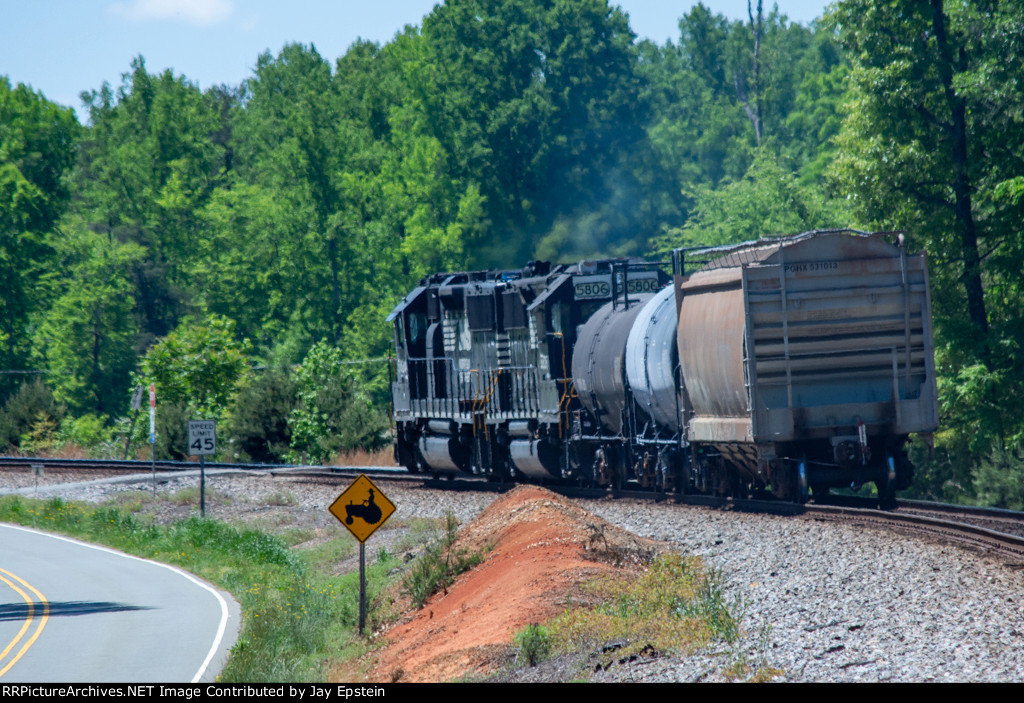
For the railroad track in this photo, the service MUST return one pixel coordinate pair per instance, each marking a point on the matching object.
(114, 465)
(990, 530)
(954, 527)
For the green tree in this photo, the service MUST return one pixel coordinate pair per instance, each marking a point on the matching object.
(250, 270)
(333, 414)
(724, 88)
(148, 163)
(766, 201)
(37, 147)
(338, 202)
(408, 207)
(87, 337)
(932, 144)
(257, 428)
(296, 145)
(536, 103)
(199, 365)
(31, 405)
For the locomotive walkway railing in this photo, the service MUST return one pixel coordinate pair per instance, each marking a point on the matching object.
(439, 388)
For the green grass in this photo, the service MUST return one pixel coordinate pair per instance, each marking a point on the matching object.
(418, 531)
(190, 496)
(325, 555)
(299, 617)
(296, 535)
(296, 616)
(281, 498)
(677, 606)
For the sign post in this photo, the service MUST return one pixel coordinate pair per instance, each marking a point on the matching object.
(38, 470)
(366, 509)
(152, 430)
(202, 440)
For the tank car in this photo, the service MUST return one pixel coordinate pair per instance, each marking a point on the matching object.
(627, 426)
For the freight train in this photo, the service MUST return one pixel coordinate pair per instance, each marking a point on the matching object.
(792, 365)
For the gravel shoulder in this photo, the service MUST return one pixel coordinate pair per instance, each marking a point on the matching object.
(821, 602)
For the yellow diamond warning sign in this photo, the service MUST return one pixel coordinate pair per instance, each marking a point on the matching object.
(362, 508)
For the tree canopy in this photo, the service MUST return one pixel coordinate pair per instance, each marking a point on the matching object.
(197, 237)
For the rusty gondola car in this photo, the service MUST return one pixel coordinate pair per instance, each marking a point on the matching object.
(793, 364)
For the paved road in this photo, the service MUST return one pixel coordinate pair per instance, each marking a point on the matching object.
(74, 612)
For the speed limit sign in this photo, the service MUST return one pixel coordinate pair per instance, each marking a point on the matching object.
(202, 437)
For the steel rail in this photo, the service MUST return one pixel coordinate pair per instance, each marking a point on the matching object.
(907, 516)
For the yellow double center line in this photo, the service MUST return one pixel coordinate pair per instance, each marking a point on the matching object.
(30, 615)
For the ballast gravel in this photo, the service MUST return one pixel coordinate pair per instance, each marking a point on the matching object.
(820, 602)
(830, 603)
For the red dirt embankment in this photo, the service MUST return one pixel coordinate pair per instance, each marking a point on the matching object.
(543, 547)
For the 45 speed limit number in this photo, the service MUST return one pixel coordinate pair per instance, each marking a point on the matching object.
(202, 437)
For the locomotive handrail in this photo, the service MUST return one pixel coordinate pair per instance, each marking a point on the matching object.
(486, 400)
(567, 384)
(480, 395)
(476, 398)
(567, 395)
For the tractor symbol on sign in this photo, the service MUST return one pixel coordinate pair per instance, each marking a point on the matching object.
(367, 510)
(365, 501)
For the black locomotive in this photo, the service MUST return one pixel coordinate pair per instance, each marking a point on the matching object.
(791, 364)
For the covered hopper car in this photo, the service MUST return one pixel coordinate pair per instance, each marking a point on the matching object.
(793, 364)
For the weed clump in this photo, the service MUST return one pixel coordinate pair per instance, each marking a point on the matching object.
(440, 563)
(677, 605)
(533, 643)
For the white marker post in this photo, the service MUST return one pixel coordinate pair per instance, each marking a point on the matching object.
(152, 429)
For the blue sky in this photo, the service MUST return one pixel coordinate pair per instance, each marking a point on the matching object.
(63, 47)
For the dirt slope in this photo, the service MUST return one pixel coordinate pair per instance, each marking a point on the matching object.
(543, 548)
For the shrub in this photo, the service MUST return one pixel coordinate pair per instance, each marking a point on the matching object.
(999, 479)
(258, 429)
(438, 566)
(333, 412)
(31, 405)
(677, 605)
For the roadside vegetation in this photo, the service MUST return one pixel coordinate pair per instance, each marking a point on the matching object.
(438, 565)
(677, 606)
(299, 616)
